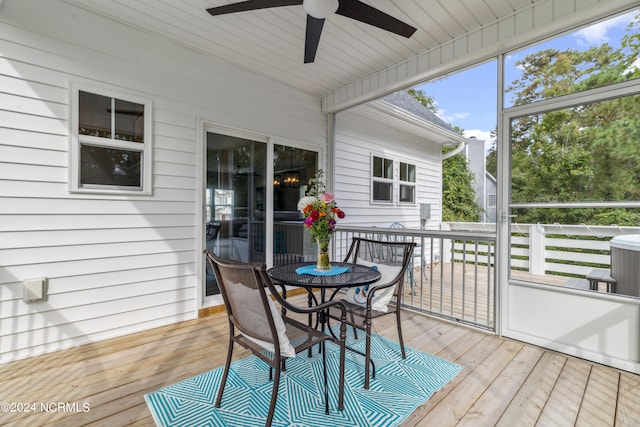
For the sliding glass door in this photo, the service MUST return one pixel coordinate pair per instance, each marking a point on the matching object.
(292, 169)
(234, 200)
(252, 188)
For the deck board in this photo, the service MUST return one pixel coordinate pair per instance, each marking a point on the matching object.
(599, 402)
(628, 411)
(504, 382)
(565, 398)
(497, 396)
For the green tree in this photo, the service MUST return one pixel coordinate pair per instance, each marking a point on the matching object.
(491, 160)
(458, 195)
(587, 153)
(424, 99)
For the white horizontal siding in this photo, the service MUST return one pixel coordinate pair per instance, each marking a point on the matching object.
(356, 139)
(115, 264)
(66, 237)
(35, 223)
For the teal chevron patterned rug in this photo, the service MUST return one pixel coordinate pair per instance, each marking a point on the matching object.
(399, 388)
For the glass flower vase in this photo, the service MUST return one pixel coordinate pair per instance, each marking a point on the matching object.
(323, 262)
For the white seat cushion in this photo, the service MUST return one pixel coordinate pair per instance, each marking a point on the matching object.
(253, 315)
(358, 295)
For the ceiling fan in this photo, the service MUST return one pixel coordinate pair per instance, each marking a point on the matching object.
(318, 11)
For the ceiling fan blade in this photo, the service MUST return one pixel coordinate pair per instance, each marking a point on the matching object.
(362, 12)
(244, 6)
(312, 38)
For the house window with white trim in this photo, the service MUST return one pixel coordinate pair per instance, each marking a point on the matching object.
(382, 180)
(110, 146)
(407, 193)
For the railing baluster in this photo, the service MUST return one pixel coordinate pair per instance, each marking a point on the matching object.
(489, 285)
(475, 286)
(431, 276)
(463, 309)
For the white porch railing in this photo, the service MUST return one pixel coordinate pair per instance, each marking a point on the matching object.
(453, 272)
(462, 291)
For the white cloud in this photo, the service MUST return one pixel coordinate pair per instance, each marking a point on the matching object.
(633, 67)
(452, 117)
(597, 34)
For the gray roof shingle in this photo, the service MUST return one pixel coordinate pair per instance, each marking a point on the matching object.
(403, 100)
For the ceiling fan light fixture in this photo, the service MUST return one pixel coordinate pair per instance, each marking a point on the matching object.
(320, 9)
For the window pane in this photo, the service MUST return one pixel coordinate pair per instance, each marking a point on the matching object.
(388, 169)
(290, 240)
(108, 166)
(407, 193)
(94, 115)
(129, 121)
(596, 56)
(382, 191)
(377, 167)
(382, 168)
(407, 172)
(588, 153)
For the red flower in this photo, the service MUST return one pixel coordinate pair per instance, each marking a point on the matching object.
(339, 212)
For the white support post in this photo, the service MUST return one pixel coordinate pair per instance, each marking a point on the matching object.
(445, 250)
(536, 249)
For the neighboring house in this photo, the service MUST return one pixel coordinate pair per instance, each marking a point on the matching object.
(485, 184)
(490, 198)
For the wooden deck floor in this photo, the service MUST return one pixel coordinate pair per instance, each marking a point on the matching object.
(504, 382)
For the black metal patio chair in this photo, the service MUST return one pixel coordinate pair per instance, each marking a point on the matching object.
(379, 299)
(256, 324)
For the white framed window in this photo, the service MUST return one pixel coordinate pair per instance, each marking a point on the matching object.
(381, 180)
(386, 183)
(111, 141)
(407, 183)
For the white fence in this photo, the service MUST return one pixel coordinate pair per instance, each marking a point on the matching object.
(552, 249)
(464, 290)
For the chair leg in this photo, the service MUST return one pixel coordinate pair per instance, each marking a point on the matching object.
(326, 381)
(310, 319)
(343, 337)
(400, 340)
(367, 355)
(274, 397)
(355, 330)
(227, 365)
(412, 280)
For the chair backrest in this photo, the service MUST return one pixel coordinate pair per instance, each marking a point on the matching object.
(383, 251)
(248, 305)
(391, 258)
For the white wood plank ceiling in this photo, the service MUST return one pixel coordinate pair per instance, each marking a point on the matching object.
(271, 41)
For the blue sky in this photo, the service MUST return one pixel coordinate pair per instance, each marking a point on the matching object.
(468, 99)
